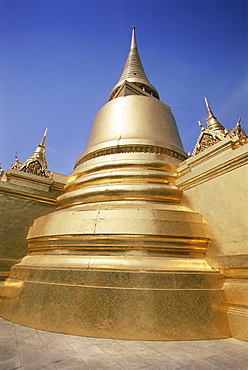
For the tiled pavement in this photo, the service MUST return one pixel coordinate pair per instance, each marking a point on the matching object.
(30, 349)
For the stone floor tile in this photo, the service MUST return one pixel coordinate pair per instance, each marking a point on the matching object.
(76, 339)
(197, 350)
(34, 356)
(192, 362)
(244, 360)
(236, 353)
(130, 361)
(30, 349)
(155, 344)
(63, 362)
(204, 343)
(10, 364)
(38, 367)
(53, 348)
(101, 362)
(162, 361)
(143, 350)
(24, 330)
(102, 340)
(66, 355)
(113, 348)
(235, 341)
(168, 349)
(7, 352)
(224, 344)
(77, 367)
(5, 323)
(47, 337)
(34, 343)
(211, 367)
(7, 340)
(227, 362)
(7, 330)
(86, 348)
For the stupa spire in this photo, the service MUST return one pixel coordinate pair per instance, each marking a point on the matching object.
(133, 40)
(36, 164)
(133, 71)
(211, 121)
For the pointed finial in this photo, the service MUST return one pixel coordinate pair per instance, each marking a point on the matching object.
(211, 121)
(133, 72)
(133, 40)
(17, 164)
(239, 120)
(210, 113)
(43, 141)
(199, 123)
(206, 101)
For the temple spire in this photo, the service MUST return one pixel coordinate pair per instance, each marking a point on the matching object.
(39, 153)
(36, 164)
(133, 72)
(43, 141)
(211, 121)
(209, 112)
(133, 40)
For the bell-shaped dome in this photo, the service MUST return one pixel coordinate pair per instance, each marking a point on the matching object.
(134, 119)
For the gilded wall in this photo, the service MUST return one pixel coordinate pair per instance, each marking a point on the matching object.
(214, 183)
(23, 198)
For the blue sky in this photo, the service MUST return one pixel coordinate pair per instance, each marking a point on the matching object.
(59, 60)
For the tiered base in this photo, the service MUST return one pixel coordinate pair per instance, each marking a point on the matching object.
(118, 297)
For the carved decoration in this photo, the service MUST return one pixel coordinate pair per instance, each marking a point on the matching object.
(238, 131)
(36, 164)
(36, 168)
(206, 141)
(17, 164)
(208, 137)
(131, 149)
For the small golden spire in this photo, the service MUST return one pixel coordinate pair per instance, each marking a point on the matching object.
(211, 121)
(210, 113)
(36, 164)
(43, 141)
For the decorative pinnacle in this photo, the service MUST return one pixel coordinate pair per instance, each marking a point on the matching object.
(43, 141)
(212, 122)
(210, 113)
(133, 40)
(133, 72)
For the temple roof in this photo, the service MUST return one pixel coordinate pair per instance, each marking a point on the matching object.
(133, 72)
(36, 164)
(215, 132)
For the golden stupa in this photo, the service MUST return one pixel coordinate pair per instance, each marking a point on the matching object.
(122, 256)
